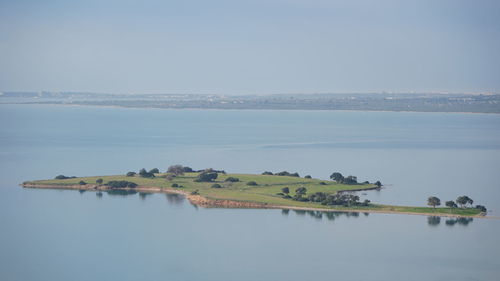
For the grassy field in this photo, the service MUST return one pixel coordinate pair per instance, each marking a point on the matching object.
(265, 192)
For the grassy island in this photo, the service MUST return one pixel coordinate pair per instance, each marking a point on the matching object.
(283, 190)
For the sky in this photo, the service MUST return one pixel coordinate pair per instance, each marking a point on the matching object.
(250, 46)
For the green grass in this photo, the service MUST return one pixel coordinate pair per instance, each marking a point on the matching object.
(264, 192)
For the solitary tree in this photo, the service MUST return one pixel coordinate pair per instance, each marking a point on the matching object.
(176, 170)
(338, 177)
(378, 184)
(450, 204)
(464, 200)
(285, 190)
(433, 201)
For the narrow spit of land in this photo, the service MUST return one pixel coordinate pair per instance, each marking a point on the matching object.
(245, 191)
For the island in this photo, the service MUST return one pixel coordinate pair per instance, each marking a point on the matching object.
(282, 190)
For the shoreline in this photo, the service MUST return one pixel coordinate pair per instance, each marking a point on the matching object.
(236, 109)
(205, 202)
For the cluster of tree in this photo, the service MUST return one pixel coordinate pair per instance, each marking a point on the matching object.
(323, 198)
(338, 177)
(283, 173)
(63, 177)
(463, 201)
(232, 179)
(121, 184)
(206, 176)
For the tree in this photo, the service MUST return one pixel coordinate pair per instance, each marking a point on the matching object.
(450, 204)
(82, 183)
(99, 181)
(433, 201)
(143, 173)
(206, 177)
(61, 177)
(154, 171)
(301, 191)
(176, 170)
(131, 174)
(267, 173)
(285, 190)
(378, 184)
(174, 185)
(308, 177)
(464, 200)
(481, 208)
(338, 177)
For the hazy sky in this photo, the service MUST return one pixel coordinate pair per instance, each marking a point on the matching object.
(254, 46)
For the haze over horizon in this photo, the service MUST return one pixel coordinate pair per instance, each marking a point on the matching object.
(250, 47)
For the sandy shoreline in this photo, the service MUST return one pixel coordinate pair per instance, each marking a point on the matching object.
(201, 201)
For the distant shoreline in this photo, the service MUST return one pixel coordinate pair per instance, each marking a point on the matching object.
(243, 109)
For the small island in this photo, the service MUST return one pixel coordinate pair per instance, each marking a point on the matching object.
(282, 190)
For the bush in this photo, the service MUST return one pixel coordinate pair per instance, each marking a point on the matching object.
(285, 190)
(63, 177)
(231, 179)
(322, 183)
(206, 177)
(174, 185)
(267, 173)
(308, 177)
(121, 184)
(252, 183)
(481, 207)
(131, 174)
(196, 192)
(82, 183)
(98, 181)
(216, 185)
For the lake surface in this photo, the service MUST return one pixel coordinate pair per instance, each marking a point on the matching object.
(67, 235)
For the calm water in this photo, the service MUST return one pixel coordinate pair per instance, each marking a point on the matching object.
(67, 235)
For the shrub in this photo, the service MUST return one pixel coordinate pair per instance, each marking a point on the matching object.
(196, 192)
(206, 177)
(481, 208)
(174, 185)
(121, 184)
(216, 185)
(251, 183)
(98, 181)
(231, 179)
(308, 177)
(82, 183)
(62, 177)
(131, 174)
